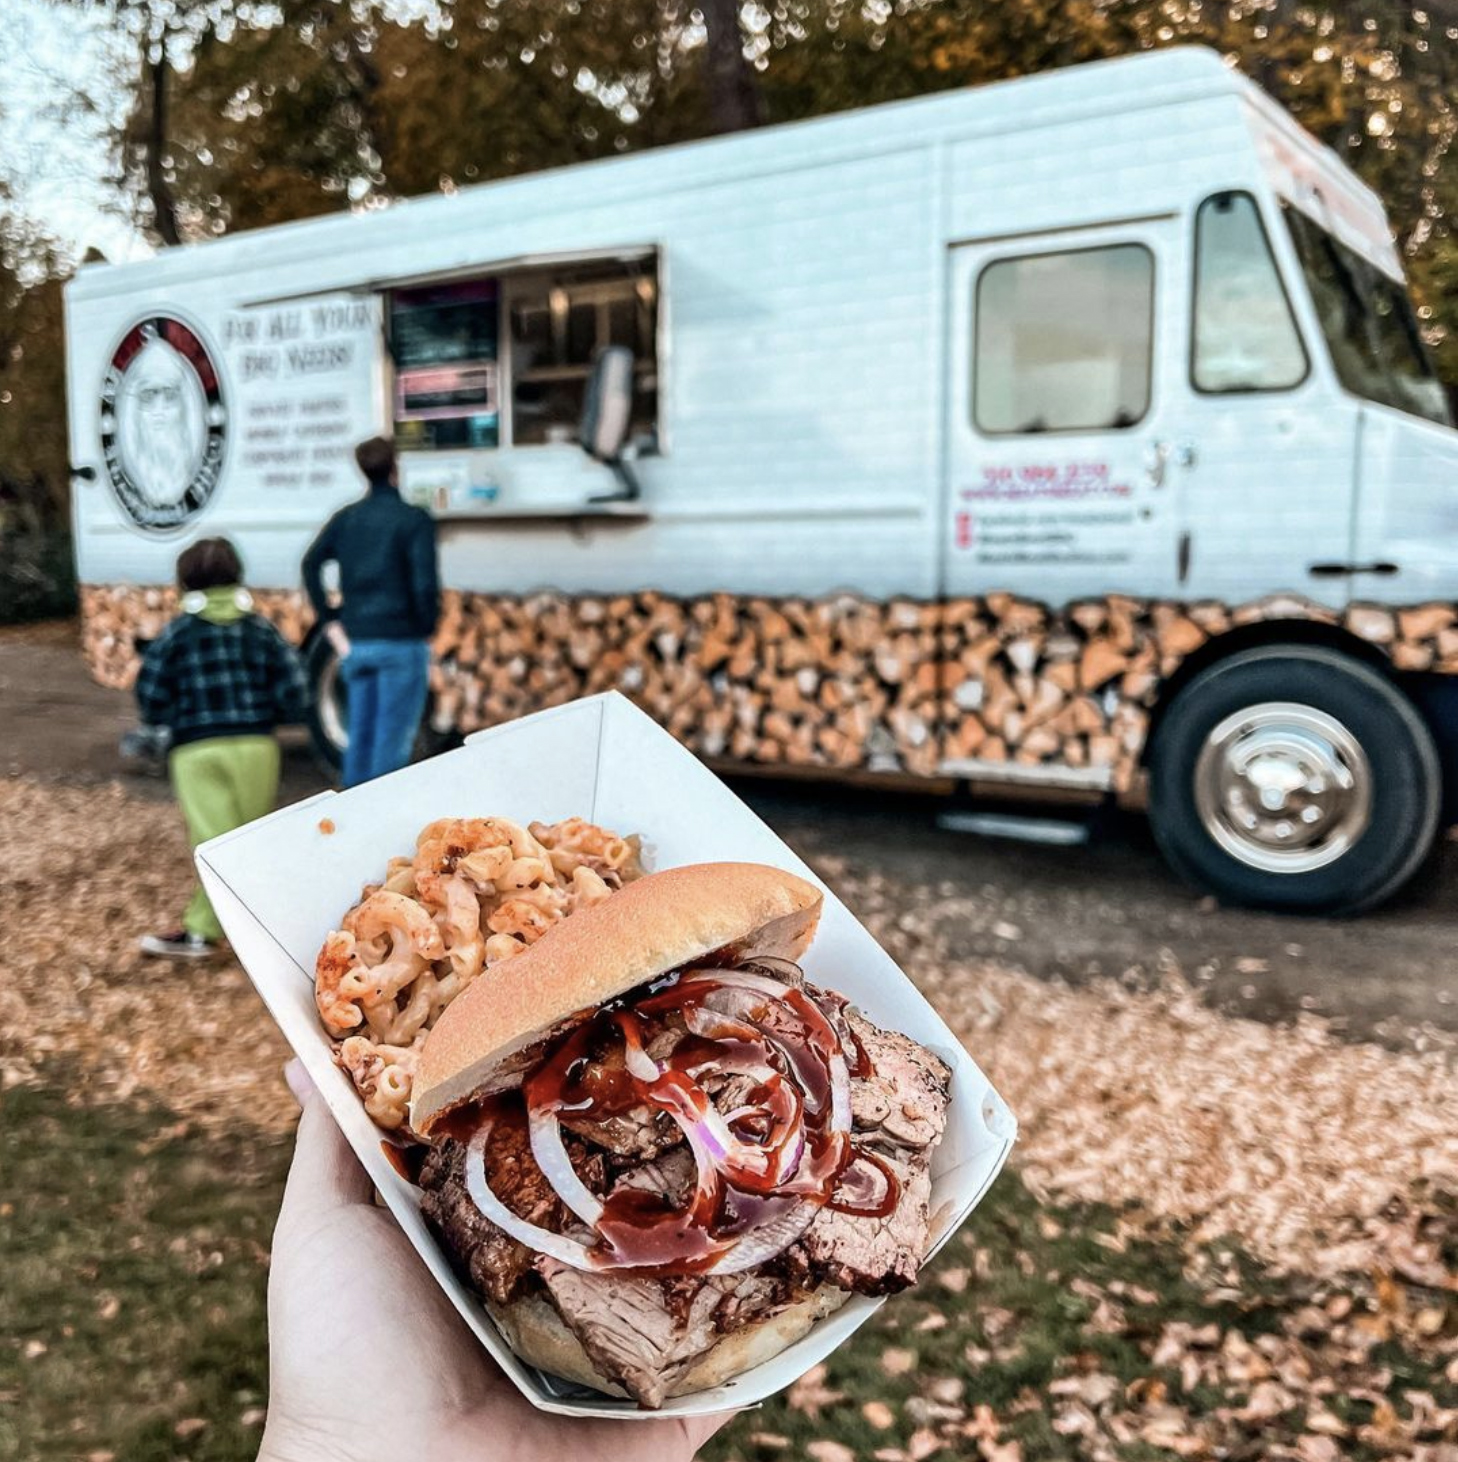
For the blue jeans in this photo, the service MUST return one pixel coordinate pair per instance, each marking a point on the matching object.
(386, 682)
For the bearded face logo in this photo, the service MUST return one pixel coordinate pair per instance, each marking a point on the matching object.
(162, 424)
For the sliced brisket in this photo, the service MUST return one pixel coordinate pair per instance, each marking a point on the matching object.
(868, 1255)
(899, 1111)
(645, 1333)
(490, 1259)
(629, 1330)
(671, 1176)
(904, 1100)
(639, 1134)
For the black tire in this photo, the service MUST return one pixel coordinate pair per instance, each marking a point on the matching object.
(328, 716)
(329, 713)
(1404, 779)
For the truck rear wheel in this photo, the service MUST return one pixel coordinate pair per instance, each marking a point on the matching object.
(329, 713)
(1294, 777)
(329, 707)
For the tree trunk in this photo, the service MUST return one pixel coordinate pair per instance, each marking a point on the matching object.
(164, 205)
(734, 99)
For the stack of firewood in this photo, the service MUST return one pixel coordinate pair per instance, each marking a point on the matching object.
(115, 617)
(836, 683)
(1073, 689)
(965, 686)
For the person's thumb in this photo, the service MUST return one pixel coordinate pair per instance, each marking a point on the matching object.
(299, 1081)
(325, 1174)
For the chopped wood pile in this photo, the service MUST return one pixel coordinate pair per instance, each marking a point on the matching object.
(964, 686)
(115, 616)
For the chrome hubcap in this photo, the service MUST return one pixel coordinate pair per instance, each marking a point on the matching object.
(1283, 787)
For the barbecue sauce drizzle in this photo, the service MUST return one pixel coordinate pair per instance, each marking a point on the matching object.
(644, 1229)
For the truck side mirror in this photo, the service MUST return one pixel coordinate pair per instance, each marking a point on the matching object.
(607, 413)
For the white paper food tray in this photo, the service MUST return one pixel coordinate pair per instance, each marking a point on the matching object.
(281, 883)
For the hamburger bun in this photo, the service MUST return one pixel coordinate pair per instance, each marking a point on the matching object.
(538, 1334)
(651, 926)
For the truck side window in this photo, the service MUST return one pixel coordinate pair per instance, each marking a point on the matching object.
(1064, 342)
(1245, 336)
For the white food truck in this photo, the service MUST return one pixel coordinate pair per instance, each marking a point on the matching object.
(1072, 433)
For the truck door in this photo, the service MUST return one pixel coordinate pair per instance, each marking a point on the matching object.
(1266, 448)
(1060, 459)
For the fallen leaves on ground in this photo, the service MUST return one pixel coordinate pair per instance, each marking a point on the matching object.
(1284, 1136)
(1214, 1357)
(84, 871)
(1289, 1139)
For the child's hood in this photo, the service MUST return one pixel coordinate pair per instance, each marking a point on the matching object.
(225, 604)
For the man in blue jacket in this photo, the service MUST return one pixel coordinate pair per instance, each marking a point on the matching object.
(390, 601)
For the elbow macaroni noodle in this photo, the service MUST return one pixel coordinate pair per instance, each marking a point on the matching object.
(477, 891)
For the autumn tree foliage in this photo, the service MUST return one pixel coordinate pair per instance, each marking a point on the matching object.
(306, 106)
(35, 572)
(32, 381)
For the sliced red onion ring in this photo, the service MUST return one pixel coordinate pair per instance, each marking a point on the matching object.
(785, 970)
(680, 1098)
(745, 979)
(716, 1024)
(544, 1241)
(839, 1072)
(713, 1133)
(639, 1063)
(778, 1155)
(551, 1154)
(739, 1159)
(840, 1094)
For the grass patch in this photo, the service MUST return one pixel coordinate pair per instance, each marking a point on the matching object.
(133, 1260)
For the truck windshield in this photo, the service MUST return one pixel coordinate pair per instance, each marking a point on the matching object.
(1369, 325)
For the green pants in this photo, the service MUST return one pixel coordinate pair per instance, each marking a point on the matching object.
(221, 783)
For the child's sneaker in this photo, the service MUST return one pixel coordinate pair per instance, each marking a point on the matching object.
(178, 945)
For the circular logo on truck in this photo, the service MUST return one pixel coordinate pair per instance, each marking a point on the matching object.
(163, 423)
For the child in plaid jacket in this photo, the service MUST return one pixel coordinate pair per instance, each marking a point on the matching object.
(220, 679)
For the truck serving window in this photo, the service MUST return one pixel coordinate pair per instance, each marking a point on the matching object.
(1245, 337)
(1063, 342)
(444, 341)
(1369, 325)
(560, 318)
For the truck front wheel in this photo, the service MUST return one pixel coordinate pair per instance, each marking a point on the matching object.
(1294, 777)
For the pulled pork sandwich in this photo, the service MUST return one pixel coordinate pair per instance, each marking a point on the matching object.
(658, 1152)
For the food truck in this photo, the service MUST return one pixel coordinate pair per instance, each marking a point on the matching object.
(1072, 433)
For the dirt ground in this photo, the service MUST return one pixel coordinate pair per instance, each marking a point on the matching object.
(1107, 909)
